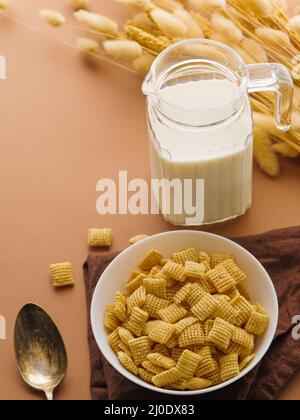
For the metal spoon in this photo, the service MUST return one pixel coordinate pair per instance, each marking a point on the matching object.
(40, 350)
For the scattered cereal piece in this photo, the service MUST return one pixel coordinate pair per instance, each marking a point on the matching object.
(242, 338)
(203, 257)
(207, 363)
(62, 275)
(155, 271)
(152, 368)
(257, 323)
(140, 348)
(244, 308)
(120, 311)
(171, 291)
(145, 375)
(166, 378)
(137, 298)
(125, 335)
(234, 271)
(218, 258)
(214, 377)
(162, 332)
(137, 238)
(194, 270)
(182, 293)
(127, 362)
(156, 286)
(192, 335)
(184, 323)
(258, 308)
(244, 291)
(226, 311)
(120, 307)
(245, 362)
(229, 367)
(125, 349)
(162, 349)
(111, 321)
(208, 324)
(232, 293)
(234, 348)
(133, 275)
(171, 282)
(154, 304)
(151, 259)
(100, 237)
(195, 294)
(163, 262)
(161, 360)
(220, 334)
(188, 363)
(205, 308)
(114, 341)
(195, 384)
(172, 342)
(149, 326)
(135, 283)
(174, 270)
(172, 313)
(185, 255)
(137, 321)
(221, 279)
(176, 353)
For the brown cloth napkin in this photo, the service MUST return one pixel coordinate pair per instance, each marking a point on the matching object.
(279, 252)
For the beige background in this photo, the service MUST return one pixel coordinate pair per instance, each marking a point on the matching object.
(64, 124)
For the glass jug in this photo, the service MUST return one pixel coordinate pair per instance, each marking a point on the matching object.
(201, 130)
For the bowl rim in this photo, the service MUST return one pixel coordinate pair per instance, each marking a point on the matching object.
(128, 375)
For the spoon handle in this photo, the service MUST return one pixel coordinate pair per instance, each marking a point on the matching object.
(49, 395)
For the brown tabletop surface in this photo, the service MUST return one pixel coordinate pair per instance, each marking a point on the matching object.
(65, 124)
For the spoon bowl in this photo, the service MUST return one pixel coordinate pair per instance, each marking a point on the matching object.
(40, 351)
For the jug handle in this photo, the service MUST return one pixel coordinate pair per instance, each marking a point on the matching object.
(272, 77)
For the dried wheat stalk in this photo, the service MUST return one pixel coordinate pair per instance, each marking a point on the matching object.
(259, 30)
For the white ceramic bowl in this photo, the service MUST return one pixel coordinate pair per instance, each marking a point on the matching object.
(116, 274)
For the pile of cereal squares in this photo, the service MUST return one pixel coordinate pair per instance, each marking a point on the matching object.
(185, 323)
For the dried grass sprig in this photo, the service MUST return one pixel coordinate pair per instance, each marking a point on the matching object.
(53, 17)
(97, 22)
(194, 30)
(142, 5)
(264, 153)
(225, 27)
(4, 4)
(124, 49)
(259, 31)
(212, 5)
(87, 45)
(169, 24)
(79, 4)
(168, 5)
(147, 40)
(285, 150)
